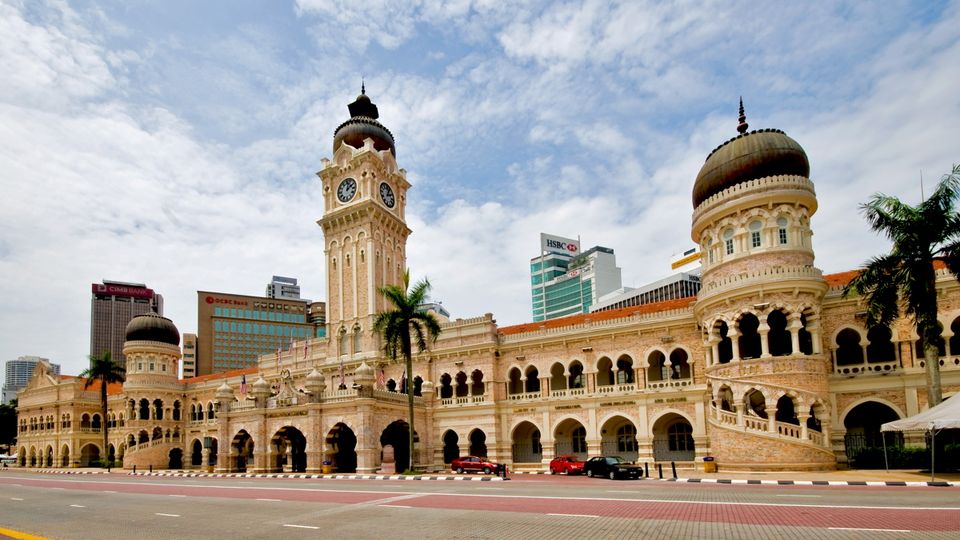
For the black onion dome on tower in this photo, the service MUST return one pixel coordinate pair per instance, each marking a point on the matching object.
(749, 156)
(152, 327)
(362, 125)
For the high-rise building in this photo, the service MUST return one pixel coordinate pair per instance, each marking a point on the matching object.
(564, 281)
(233, 330)
(18, 372)
(283, 287)
(683, 284)
(189, 362)
(113, 305)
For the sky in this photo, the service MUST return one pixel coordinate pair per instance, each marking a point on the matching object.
(175, 143)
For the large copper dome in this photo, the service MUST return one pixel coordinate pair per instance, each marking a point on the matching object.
(749, 156)
(152, 327)
(362, 125)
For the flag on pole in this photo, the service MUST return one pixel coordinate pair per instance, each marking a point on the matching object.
(381, 379)
(343, 384)
(278, 357)
(306, 348)
(403, 382)
(243, 384)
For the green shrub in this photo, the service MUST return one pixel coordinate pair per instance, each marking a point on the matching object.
(947, 458)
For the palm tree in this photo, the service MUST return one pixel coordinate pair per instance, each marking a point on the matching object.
(104, 369)
(921, 236)
(404, 325)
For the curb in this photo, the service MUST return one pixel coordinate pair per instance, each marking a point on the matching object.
(62, 471)
(807, 482)
(325, 476)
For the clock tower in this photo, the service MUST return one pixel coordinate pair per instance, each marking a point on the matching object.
(365, 234)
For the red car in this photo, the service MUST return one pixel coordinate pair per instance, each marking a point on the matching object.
(473, 464)
(566, 465)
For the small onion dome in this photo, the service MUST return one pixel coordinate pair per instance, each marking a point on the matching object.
(224, 392)
(152, 327)
(363, 374)
(362, 125)
(749, 156)
(261, 387)
(426, 387)
(315, 381)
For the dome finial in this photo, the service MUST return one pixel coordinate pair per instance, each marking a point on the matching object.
(742, 127)
(363, 87)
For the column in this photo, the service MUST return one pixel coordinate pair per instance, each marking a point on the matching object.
(794, 327)
(288, 466)
(804, 434)
(204, 458)
(733, 334)
(771, 419)
(544, 386)
(764, 331)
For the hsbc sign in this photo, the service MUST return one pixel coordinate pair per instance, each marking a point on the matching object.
(559, 244)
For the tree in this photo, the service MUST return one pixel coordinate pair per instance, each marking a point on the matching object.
(401, 327)
(922, 235)
(104, 369)
(8, 422)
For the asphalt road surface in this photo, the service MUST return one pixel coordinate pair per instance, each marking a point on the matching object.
(542, 507)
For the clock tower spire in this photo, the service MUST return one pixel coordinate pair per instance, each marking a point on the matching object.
(365, 232)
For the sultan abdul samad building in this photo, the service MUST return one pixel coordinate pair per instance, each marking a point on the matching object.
(769, 367)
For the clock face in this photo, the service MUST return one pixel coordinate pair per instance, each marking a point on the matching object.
(386, 195)
(347, 189)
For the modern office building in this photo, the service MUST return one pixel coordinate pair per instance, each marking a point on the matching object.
(234, 329)
(283, 287)
(189, 362)
(18, 372)
(113, 305)
(770, 367)
(679, 285)
(564, 281)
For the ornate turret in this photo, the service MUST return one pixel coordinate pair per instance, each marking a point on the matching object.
(152, 327)
(363, 124)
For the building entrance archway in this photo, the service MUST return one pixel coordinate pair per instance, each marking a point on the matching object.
(342, 448)
(451, 448)
(289, 450)
(397, 434)
(241, 451)
(526, 443)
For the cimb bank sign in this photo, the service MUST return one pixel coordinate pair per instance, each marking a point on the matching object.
(559, 244)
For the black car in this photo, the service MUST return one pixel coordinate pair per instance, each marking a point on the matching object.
(612, 467)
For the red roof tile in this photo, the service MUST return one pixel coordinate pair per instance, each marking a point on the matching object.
(221, 375)
(619, 313)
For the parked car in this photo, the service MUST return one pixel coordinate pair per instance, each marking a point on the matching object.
(566, 465)
(473, 464)
(612, 467)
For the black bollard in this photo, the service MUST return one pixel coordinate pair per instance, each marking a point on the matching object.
(134, 469)
(646, 470)
(151, 467)
(673, 465)
(660, 470)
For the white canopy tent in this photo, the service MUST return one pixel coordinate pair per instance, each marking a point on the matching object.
(946, 415)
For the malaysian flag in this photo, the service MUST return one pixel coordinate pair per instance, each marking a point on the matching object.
(403, 382)
(243, 384)
(343, 383)
(306, 348)
(278, 357)
(381, 379)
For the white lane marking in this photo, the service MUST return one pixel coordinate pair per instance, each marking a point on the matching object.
(57, 488)
(78, 506)
(492, 495)
(394, 506)
(176, 495)
(633, 492)
(108, 492)
(167, 515)
(300, 526)
(269, 500)
(15, 499)
(809, 496)
(489, 488)
(575, 515)
(871, 530)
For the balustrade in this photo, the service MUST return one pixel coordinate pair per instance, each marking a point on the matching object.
(672, 383)
(873, 367)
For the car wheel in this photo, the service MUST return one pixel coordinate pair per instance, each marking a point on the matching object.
(590, 473)
(486, 470)
(613, 475)
(459, 470)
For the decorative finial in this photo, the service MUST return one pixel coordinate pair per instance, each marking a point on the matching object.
(742, 127)
(363, 89)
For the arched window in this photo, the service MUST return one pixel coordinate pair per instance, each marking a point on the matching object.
(476, 383)
(849, 351)
(515, 384)
(446, 389)
(627, 438)
(158, 409)
(749, 339)
(680, 435)
(725, 347)
(754, 228)
(356, 339)
(782, 230)
(576, 375)
(881, 348)
(211, 413)
(144, 413)
(941, 346)
(778, 339)
(461, 389)
(679, 364)
(657, 371)
(176, 411)
(344, 342)
(579, 440)
(532, 384)
(625, 370)
(728, 241)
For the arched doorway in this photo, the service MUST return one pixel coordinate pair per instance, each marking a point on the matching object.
(451, 448)
(289, 448)
(196, 453)
(397, 434)
(673, 439)
(241, 451)
(863, 427)
(526, 443)
(48, 461)
(89, 455)
(786, 411)
(341, 448)
(619, 438)
(176, 458)
(65, 456)
(478, 443)
(570, 439)
(111, 454)
(212, 460)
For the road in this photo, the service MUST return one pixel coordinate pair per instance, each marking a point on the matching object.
(121, 506)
